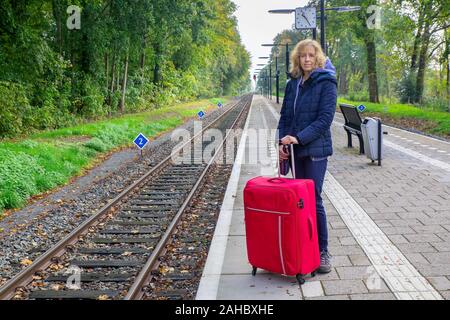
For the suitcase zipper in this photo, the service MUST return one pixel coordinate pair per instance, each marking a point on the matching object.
(267, 211)
(280, 245)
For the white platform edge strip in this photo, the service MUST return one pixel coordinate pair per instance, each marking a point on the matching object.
(399, 274)
(209, 282)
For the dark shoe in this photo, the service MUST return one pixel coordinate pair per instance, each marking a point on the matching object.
(325, 262)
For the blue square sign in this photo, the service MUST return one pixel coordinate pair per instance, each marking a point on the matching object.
(140, 141)
(361, 107)
(219, 104)
(201, 114)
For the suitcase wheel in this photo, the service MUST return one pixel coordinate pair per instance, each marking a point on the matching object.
(313, 274)
(254, 271)
(300, 279)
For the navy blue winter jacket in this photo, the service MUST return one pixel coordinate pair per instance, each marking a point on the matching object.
(314, 113)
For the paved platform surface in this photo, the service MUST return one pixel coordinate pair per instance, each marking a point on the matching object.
(389, 226)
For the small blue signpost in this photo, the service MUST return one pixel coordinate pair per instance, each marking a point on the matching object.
(201, 114)
(141, 141)
(361, 107)
(219, 104)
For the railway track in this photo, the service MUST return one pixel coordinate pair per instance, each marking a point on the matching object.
(180, 269)
(114, 253)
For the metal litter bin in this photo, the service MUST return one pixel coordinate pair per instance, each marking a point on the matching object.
(373, 138)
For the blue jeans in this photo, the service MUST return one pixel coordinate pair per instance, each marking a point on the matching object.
(308, 168)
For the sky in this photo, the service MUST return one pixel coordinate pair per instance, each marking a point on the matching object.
(257, 26)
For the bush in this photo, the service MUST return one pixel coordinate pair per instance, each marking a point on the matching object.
(406, 88)
(52, 106)
(31, 167)
(357, 90)
(96, 144)
(15, 109)
(18, 172)
(19, 114)
(435, 103)
(107, 138)
(92, 99)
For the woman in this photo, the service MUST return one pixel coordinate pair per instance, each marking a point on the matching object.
(306, 115)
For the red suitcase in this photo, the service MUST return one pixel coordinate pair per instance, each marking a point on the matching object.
(280, 224)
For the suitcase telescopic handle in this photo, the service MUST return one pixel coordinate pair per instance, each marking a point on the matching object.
(292, 159)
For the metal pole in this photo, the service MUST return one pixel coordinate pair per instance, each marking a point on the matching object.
(264, 84)
(287, 61)
(261, 79)
(322, 26)
(277, 75)
(270, 80)
(379, 141)
(314, 33)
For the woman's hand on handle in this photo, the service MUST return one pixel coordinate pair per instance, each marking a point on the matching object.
(289, 140)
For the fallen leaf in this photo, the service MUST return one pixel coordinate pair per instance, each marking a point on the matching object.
(56, 267)
(57, 287)
(17, 296)
(26, 262)
(42, 234)
(37, 284)
(165, 269)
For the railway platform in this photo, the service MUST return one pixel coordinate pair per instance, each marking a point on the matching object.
(389, 226)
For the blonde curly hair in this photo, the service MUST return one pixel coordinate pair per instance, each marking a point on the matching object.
(296, 69)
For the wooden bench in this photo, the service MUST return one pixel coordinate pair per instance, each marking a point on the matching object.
(352, 124)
